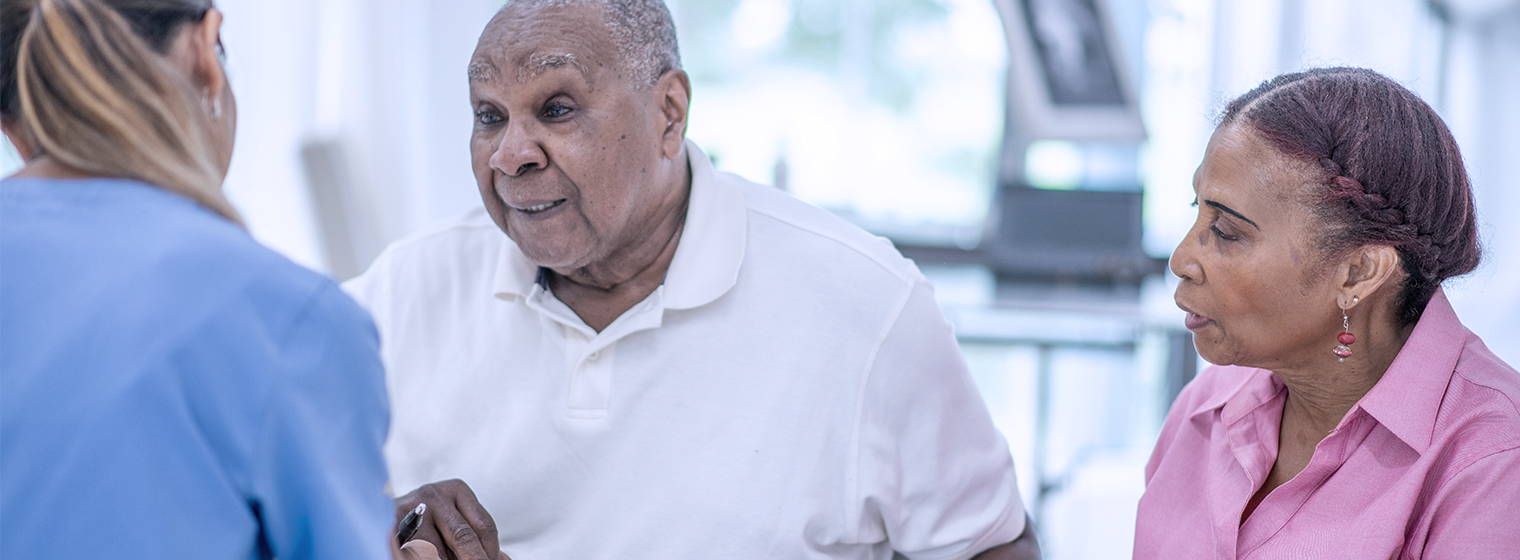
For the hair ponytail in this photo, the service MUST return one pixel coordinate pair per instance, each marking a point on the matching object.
(97, 98)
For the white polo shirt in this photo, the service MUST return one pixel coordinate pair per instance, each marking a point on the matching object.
(791, 391)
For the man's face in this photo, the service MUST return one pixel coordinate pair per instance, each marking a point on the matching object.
(565, 147)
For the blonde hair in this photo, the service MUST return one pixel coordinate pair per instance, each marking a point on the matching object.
(96, 98)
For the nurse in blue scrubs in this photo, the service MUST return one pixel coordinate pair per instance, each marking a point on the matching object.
(168, 387)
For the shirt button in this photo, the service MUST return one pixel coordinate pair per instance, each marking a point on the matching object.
(594, 355)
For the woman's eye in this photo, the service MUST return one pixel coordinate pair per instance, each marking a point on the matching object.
(556, 111)
(1221, 234)
(487, 117)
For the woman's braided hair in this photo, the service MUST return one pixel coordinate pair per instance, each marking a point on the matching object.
(1392, 172)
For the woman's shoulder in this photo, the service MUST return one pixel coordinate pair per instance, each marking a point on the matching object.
(1474, 395)
(178, 242)
(1480, 366)
(120, 240)
(1480, 412)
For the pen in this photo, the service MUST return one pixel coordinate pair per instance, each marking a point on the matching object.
(409, 524)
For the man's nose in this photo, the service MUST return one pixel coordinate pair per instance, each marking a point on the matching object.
(518, 152)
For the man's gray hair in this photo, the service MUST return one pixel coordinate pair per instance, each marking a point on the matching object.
(642, 30)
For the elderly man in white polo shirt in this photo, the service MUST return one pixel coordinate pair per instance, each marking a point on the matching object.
(658, 360)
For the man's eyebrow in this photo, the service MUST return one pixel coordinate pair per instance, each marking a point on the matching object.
(540, 63)
(1232, 212)
(482, 71)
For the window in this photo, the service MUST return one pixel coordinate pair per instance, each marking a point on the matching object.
(888, 112)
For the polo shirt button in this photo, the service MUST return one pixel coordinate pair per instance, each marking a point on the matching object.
(594, 355)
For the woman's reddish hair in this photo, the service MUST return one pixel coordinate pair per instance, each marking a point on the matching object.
(1392, 173)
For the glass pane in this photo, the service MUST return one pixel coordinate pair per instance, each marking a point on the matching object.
(886, 110)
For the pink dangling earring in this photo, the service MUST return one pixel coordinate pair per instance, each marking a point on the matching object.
(1343, 349)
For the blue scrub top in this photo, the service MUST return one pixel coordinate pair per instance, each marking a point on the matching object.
(169, 388)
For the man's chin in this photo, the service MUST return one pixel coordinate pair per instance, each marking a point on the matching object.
(553, 256)
(549, 243)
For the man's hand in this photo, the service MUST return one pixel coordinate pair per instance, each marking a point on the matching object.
(455, 522)
(1026, 547)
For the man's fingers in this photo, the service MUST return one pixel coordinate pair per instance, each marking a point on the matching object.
(459, 535)
(479, 519)
(425, 531)
(429, 534)
(455, 522)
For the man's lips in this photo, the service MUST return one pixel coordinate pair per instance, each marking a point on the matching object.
(537, 207)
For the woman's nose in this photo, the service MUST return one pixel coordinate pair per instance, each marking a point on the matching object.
(1183, 262)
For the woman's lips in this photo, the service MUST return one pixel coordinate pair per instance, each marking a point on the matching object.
(1196, 321)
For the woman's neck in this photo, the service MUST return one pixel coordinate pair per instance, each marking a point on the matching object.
(1322, 391)
(44, 167)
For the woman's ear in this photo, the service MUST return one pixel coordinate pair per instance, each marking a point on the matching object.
(206, 49)
(1368, 269)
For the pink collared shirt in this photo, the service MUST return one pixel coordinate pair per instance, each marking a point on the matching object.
(1426, 465)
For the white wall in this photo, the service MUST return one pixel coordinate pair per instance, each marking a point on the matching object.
(384, 78)
(1485, 117)
(269, 43)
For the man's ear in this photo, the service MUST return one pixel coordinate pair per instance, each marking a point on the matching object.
(206, 65)
(1366, 270)
(674, 91)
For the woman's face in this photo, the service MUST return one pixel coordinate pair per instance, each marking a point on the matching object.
(1246, 267)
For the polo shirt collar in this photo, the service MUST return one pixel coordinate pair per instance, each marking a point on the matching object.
(707, 259)
(706, 263)
(516, 277)
(1408, 397)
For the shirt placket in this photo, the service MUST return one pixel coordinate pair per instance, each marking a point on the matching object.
(1253, 462)
(1247, 426)
(590, 356)
(590, 368)
(1282, 504)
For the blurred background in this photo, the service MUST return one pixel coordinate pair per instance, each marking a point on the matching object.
(1033, 156)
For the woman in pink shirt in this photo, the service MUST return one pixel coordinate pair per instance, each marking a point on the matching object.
(1357, 417)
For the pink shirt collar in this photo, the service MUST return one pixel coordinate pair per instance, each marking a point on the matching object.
(1405, 400)
(1423, 465)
